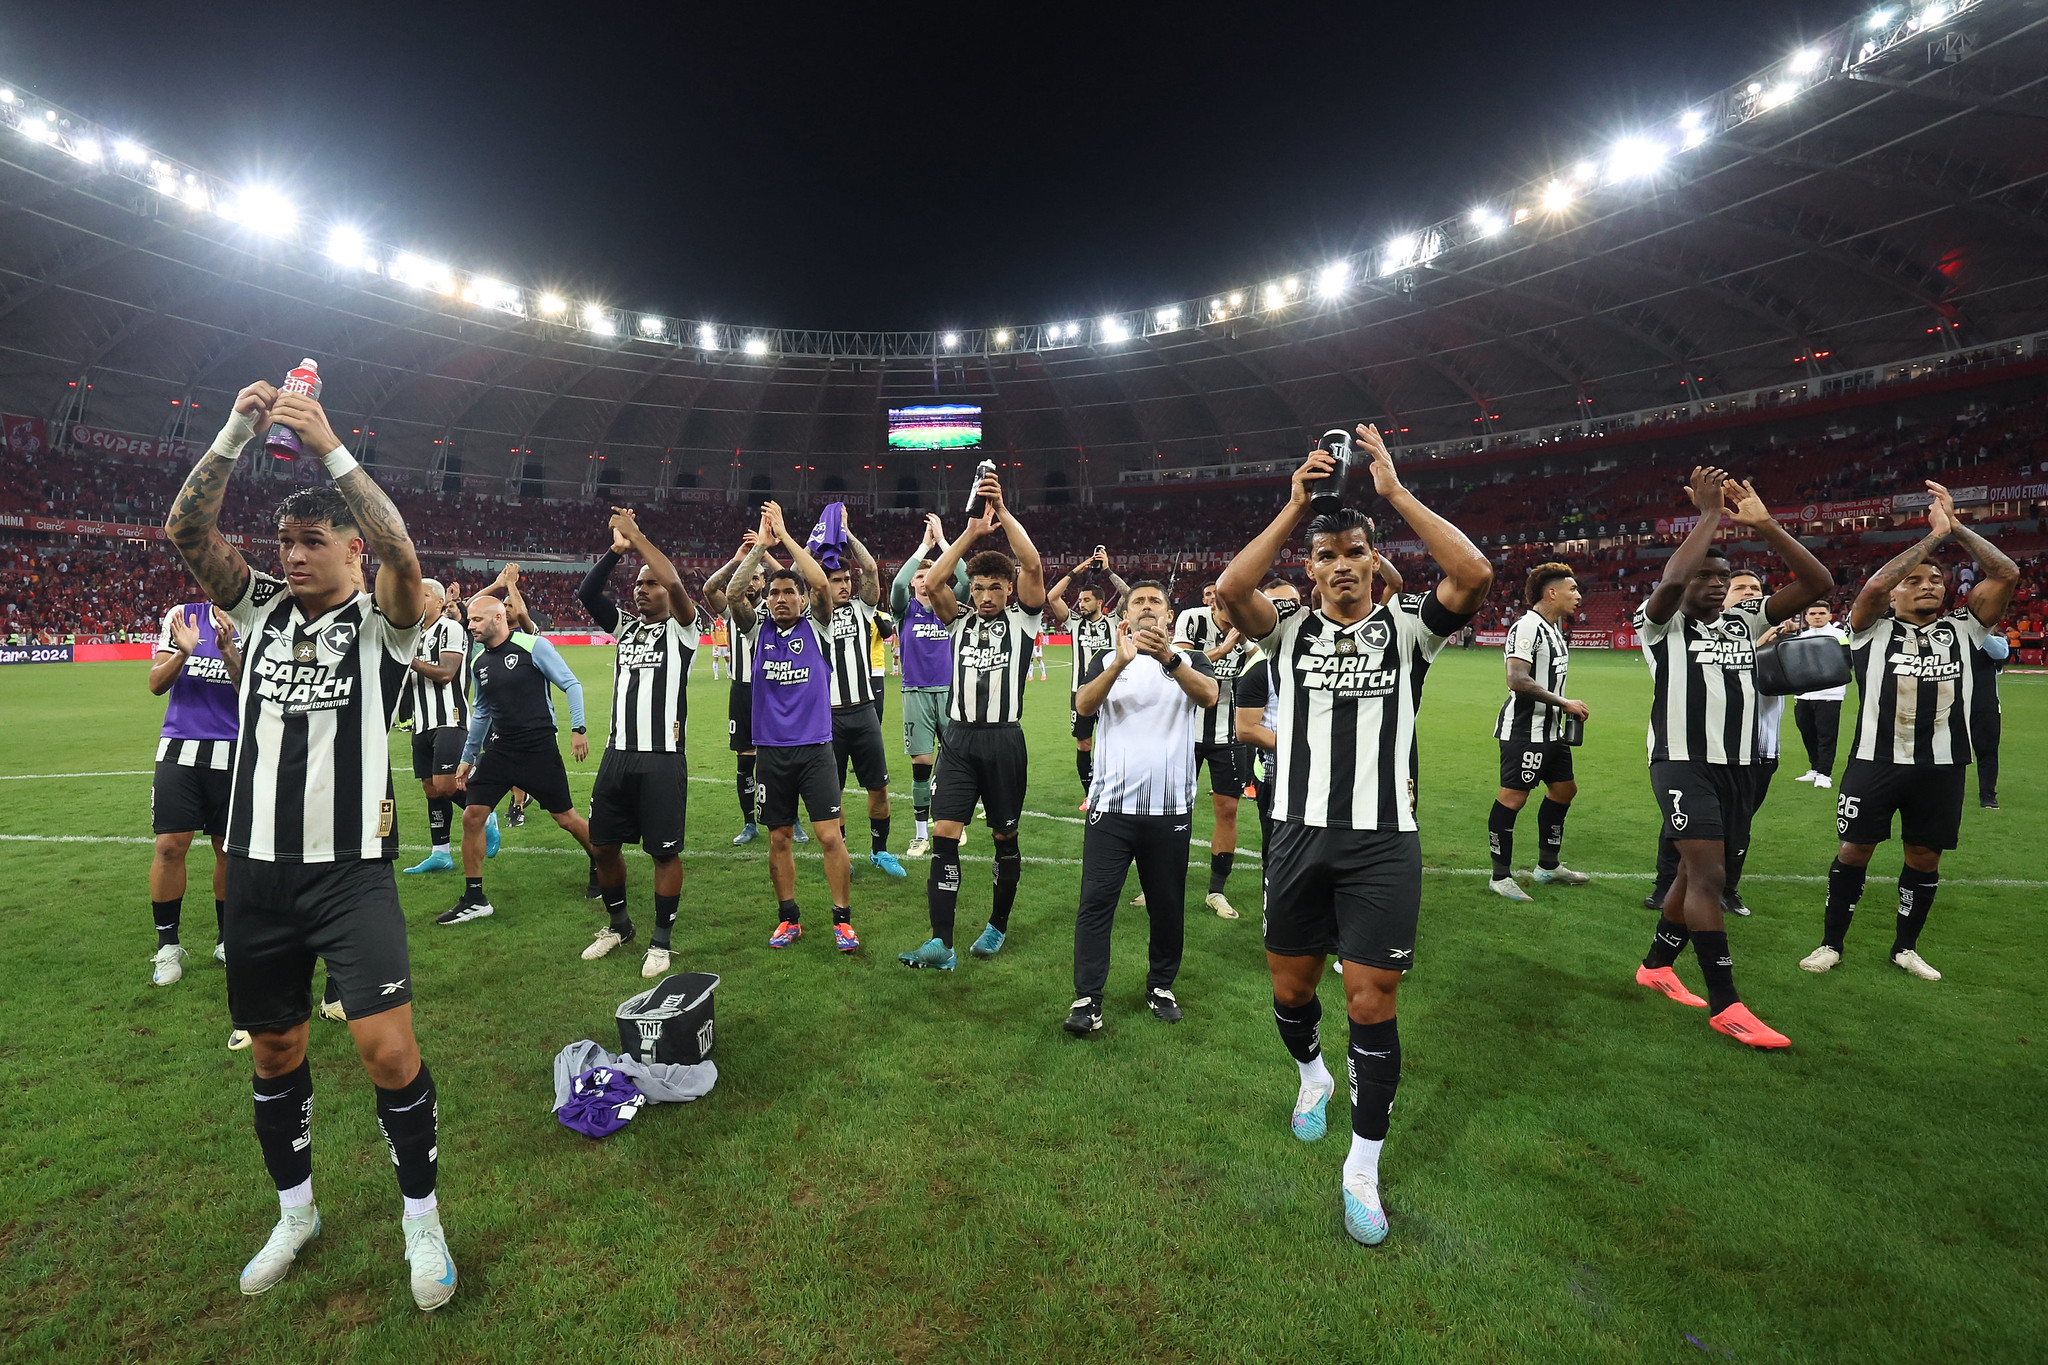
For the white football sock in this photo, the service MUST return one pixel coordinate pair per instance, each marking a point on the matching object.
(1313, 1072)
(1364, 1158)
(416, 1207)
(298, 1196)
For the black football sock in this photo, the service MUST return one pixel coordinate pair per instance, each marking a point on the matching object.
(842, 914)
(165, 915)
(1301, 1029)
(220, 920)
(880, 830)
(284, 1125)
(1845, 888)
(408, 1116)
(440, 818)
(1500, 840)
(942, 888)
(664, 919)
(1374, 1060)
(1737, 858)
(1550, 832)
(787, 912)
(615, 906)
(1668, 943)
(1009, 869)
(921, 792)
(1084, 764)
(1667, 867)
(473, 890)
(744, 772)
(1219, 871)
(1916, 898)
(1711, 947)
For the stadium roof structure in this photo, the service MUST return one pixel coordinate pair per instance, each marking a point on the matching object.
(1880, 193)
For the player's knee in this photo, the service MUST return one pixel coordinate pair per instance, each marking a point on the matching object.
(1512, 799)
(173, 845)
(1855, 855)
(392, 1059)
(1562, 792)
(1923, 859)
(1369, 997)
(1084, 745)
(277, 1054)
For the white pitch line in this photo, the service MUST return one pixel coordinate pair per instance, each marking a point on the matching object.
(38, 777)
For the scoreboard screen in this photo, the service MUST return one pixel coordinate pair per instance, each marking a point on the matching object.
(935, 426)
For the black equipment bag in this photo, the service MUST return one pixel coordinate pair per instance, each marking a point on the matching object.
(671, 1022)
(1802, 663)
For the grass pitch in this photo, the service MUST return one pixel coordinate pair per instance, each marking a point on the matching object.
(917, 1166)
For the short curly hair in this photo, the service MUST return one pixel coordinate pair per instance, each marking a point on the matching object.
(1541, 577)
(321, 502)
(992, 564)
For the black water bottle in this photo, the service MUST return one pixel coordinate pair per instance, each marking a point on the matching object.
(1329, 493)
(977, 504)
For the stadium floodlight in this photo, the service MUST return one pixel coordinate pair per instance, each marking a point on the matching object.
(345, 244)
(1933, 14)
(49, 115)
(7, 96)
(194, 194)
(707, 337)
(1167, 318)
(1882, 18)
(1073, 330)
(1217, 310)
(1291, 286)
(38, 132)
(1237, 300)
(1782, 93)
(1557, 196)
(1691, 118)
(1633, 157)
(1486, 222)
(1333, 278)
(1113, 330)
(1585, 173)
(1754, 88)
(1693, 138)
(1276, 297)
(1400, 252)
(553, 304)
(264, 210)
(1804, 60)
(1002, 336)
(86, 149)
(950, 340)
(756, 346)
(130, 152)
(650, 325)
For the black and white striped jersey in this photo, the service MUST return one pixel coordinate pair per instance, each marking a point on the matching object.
(1145, 739)
(1197, 626)
(849, 636)
(1092, 640)
(1917, 687)
(1345, 724)
(1541, 645)
(217, 754)
(991, 660)
(437, 705)
(651, 684)
(313, 766)
(1703, 706)
(1219, 722)
(743, 646)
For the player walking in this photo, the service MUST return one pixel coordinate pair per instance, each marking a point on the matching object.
(1536, 730)
(1344, 868)
(642, 790)
(986, 758)
(197, 661)
(1918, 672)
(512, 672)
(925, 645)
(792, 725)
(311, 825)
(1093, 628)
(1703, 734)
(440, 712)
(1138, 809)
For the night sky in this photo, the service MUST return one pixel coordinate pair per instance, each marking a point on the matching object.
(886, 165)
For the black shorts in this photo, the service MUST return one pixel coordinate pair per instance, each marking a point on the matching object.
(1523, 765)
(1084, 726)
(1229, 769)
(739, 717)
(534, 765)
(640, 799)
(1928, 800)
(1354, 892)
(985, 763)
(1704, 800)
(280, 917)
(857, 735)
(186, 800)
(787, 772)
(438, 752)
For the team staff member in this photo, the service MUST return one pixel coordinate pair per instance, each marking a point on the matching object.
(792, 726)
(312, 829)
(1818, 714)
(642, 790)
(856, 724)
(1344, 868)
(1919, 672)
(197, 661)
(986, 758)
(1532, 730)
(1701, 649)
(440, 714)
(1093, 629)
(512, 672)
(1138, 807)
(925, 646)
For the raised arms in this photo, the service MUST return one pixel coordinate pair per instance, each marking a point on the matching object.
(744, 616)
(1030, 568)
(626, 526)
(1467, 574)
(1238, 585)
(398, 592)
(1811, 580)
(1707, 488)
(938, 577)
(193, 525)
(1988, 600)
(870, 573)
(804, 562)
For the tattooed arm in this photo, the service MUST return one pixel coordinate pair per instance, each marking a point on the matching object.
(1989, 598)
(193, 526)
(1876, 592)
(398, 592)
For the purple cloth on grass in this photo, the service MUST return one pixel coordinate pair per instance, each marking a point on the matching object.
(828, 538)
(601, 1101)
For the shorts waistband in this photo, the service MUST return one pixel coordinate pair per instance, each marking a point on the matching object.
(990, 725)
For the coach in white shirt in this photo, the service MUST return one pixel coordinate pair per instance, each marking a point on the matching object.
(1149, 698)
(1819, 714)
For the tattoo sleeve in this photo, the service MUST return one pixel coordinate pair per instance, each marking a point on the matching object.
(193, 527)
(398, 566)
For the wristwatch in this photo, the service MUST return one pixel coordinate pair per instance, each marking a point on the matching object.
(1174, 664)
(577, 729)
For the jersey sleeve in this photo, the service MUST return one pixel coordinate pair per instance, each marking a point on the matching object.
(1428, 623)
(164, 643)
(1184, 628)
(261, 592)
(398, 642)
(1031, 623)
(1286, 625)
(1969, 627)
(1522, 640)
(1650, 632)
(1252, 685)
(1754, 618)
(1201, 663)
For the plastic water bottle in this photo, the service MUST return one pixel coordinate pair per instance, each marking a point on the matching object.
(281, 441)
(977, 504)
(1329, 494)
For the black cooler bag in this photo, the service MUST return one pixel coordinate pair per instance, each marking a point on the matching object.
(671, 1022)
(1802, 663)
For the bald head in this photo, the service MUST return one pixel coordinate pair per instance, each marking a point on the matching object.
(487, 620)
